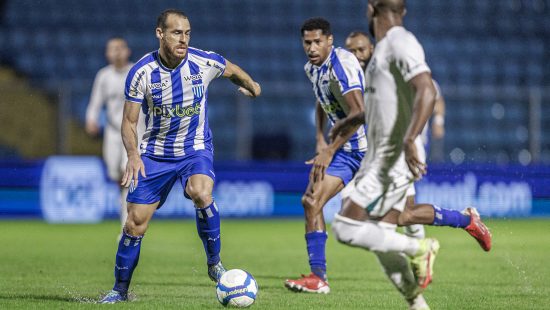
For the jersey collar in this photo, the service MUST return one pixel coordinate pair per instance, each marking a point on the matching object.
(157, 58)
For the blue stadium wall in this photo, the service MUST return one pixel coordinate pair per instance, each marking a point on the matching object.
(65, 189)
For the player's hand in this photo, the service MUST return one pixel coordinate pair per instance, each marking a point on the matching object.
(246, 92)
(417, 168)
(92, 128)
(320, 163)
(133, 168)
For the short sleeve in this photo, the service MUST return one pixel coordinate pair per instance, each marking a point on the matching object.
(135, 87)
(217, 63)
(348, 72)
(408, 54)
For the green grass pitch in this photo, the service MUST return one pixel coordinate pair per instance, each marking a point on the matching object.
(69, 266)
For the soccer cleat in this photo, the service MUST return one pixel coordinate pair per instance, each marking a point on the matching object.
(310, 284)
(113, 297)
(418, 303)
(215, 271)
(422, 264)
(477, 229)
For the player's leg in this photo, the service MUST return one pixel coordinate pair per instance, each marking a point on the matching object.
(129, 247)
(384, 203)
(428, 214)
(199, 189)
(115, 159)
(149, 195)
(313, 201)
(413, 230)
(467, 219)
(197, 177)
(123, 160)
(397, 268)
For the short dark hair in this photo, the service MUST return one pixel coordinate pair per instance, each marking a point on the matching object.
(356, 33)
(161, 19)
(317, 23)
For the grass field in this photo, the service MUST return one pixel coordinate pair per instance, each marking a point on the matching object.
(69, 266)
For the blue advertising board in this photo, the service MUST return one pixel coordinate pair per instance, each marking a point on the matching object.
(75, 189)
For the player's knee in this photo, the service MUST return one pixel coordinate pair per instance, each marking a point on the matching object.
(135, 226)
(310, 202)
(343, 232)
(200, 196)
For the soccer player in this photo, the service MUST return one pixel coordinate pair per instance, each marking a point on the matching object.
(422, 146)
(359, 44)
(400, 99)
(108, 90)
(394, 264)
(170, 86)
(337, 80)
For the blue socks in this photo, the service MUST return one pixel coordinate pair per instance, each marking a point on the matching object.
(127, 258)
(452, 218)
(316, 242)
(208, 227)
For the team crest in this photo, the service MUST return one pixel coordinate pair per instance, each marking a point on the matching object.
(198, 90)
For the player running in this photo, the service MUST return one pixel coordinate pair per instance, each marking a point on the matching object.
(170, 86)
(108, 90)
(359, 44)
(337, 80)
(400, 100)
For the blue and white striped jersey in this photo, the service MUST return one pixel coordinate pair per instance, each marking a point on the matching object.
(174, 102)
(339, 74)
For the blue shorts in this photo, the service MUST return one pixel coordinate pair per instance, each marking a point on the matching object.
(344, 165)
(161, 176)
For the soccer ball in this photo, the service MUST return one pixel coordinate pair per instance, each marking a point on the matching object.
(237, 288)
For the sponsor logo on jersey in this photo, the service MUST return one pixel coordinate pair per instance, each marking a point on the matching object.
(332, 107)
(159, 85)
(176, 111)
(134, 87)
(214, 64)
(193, 77)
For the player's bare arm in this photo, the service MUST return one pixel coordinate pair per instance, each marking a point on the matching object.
(238, 76)
(423, 107)
(354, 99)
(321, 142)
(346, 127)
(134, 166)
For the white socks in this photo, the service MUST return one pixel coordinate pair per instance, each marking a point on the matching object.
(415, 231)
(373, 236)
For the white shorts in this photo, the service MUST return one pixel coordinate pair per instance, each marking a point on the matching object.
(378, 191)
(114, 153)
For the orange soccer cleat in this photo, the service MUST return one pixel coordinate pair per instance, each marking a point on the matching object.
(310, 284)
(478, 230)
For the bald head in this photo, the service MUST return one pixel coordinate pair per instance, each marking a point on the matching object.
(393, 6)
(358, 43)
(384, 14)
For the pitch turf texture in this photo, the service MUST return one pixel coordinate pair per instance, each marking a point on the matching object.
(70, 266)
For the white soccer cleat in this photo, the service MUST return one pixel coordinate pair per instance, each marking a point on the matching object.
(418, 303)
(422, 263)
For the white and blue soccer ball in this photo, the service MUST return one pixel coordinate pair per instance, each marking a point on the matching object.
(237, 288)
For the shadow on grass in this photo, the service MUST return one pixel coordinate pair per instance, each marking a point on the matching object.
(48, 297)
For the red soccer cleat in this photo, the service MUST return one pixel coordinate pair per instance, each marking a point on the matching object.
(310, 284)
(478, 230)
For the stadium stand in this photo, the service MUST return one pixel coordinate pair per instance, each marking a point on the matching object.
(483, 53)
